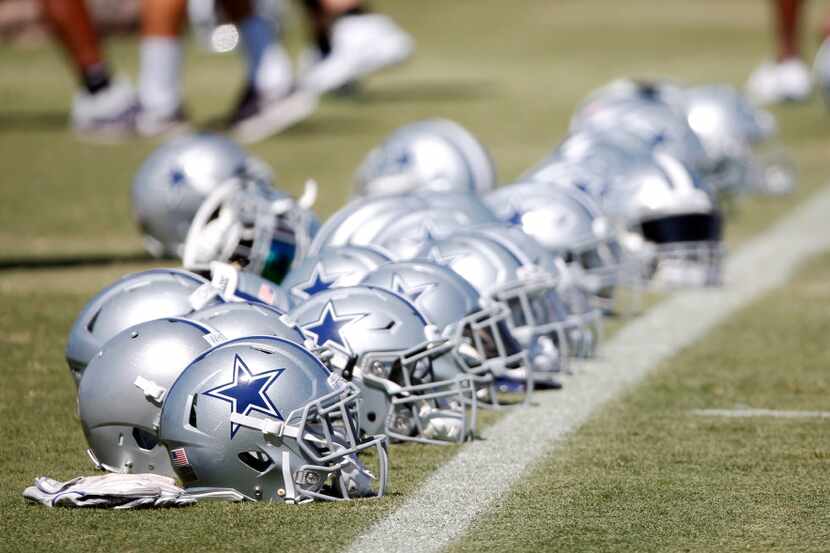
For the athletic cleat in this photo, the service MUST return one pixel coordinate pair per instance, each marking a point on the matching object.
(258, 117)
(106, 115)
(149, 124)
(780, 82)
(821, 68)
(361, 45)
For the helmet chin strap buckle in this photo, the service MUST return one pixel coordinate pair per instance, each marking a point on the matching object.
(152, 391)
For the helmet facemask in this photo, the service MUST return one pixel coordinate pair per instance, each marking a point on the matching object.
(426, 400)
(484, 348)
(244, 226)
(538, 319)
(316, 453)
(681, 250)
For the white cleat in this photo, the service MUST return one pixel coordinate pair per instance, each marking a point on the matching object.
(779, 82)
(360, 45)
(107, 115)
(270, 116)
(821, 67)
(152, 125)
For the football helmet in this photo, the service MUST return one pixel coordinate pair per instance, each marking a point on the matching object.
(261, 229)
(123, 387)
(571, 225)
(468, 205)
(172, 183)
(332, 268)
(238, 320)
(524, 290)
(411, 389)
(659, 91)
(570, 306)
(670, 221)
(236, 285)
(434, 154)
(134, 299)
(362, 220)
(262, 416)
(402, 238)
(482, 343)
(654, 125)
(730, 129)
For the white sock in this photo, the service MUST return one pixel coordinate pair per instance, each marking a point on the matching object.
(269, 67)
(159, 83)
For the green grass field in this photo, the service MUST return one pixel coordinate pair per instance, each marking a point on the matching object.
(642, 474)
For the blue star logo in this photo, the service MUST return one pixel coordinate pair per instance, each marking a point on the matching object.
(177, 178)
(247, 392)
(319, 282)
(514, 217)
(328, 329)
(659, 138)
(412, 293)
(403, 160)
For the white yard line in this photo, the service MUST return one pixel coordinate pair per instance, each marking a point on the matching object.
(746, 413)
(485, 471)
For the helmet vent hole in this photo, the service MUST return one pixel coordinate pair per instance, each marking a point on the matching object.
(91, 324)
(257, 460)
(191, 419)
(144, 439)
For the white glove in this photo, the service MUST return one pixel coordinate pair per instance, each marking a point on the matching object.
(110, 491)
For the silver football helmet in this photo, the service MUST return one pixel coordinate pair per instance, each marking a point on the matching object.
(262, 416)
(578, 319)
(172, 183)
(731, 129)
(468, 205)
(236, 285)
(670, 221)
(571, 225)
(653, 125)
(660, 91)
(332, 268)
(263, 230)
(411, 389)
(362, 220)
(482, 343)
(238, 320)
(124, 386)
(134, 299)
(404, 237)
(526, 291)
(434, 154)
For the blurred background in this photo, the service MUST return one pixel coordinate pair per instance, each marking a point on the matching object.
(511, 72)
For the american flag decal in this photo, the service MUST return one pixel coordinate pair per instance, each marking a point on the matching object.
(266, 294)
(178, 458)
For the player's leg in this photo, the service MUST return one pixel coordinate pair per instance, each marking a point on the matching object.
(822, 62)
(159, 86)
(103, 105)
(270, 101)
(787, 78)
(351, 42)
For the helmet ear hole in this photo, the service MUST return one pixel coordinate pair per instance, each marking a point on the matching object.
(256, 460)
(145, 440)
(191, 419)
(371, 416)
